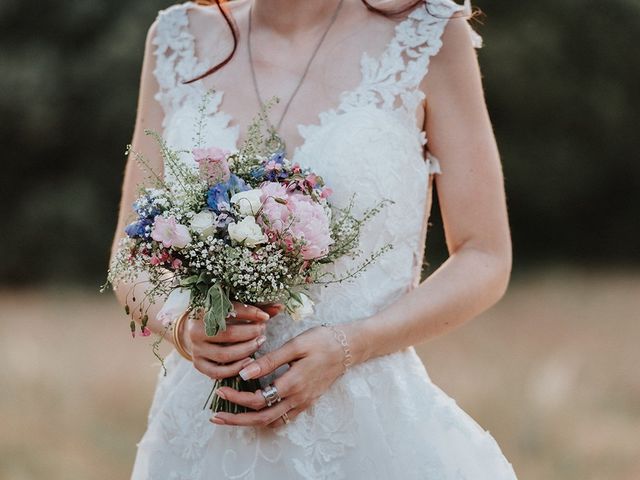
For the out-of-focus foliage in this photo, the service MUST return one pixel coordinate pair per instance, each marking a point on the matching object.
(562, 85)
(562, 80)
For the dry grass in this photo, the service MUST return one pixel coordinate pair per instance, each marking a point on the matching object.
(551, 371)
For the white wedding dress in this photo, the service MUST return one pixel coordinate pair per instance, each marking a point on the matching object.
(384, 418)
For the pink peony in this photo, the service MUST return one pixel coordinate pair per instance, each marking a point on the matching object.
(275, 215)
(311, 179)
(169, 232)
(297, 218)
(310, 224)
(212, 163)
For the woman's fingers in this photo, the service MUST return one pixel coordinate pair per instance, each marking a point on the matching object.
(288, 385)
(216, 371)
(238, 333)
(273, 308)
(261, 418)
(233, 333)
(249, 313)
(267, 363)
(228, 353)
(253, 400)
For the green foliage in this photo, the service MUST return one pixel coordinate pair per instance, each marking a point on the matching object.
(216, 301)
(217, 307)
(562, 88)
(561, 83)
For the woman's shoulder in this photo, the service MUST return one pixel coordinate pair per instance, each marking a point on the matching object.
(182, 12)
(195, 20)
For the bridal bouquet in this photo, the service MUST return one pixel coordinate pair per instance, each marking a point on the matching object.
(247, 226)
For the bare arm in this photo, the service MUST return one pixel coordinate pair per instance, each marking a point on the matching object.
(226, 353)
(473, 205)
(474, 277)
(149, 116)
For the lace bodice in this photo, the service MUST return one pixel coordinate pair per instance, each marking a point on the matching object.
(369, 144)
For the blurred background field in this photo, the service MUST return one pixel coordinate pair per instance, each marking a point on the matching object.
(551, 371)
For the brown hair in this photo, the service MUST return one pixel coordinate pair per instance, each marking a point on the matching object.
(234, 29)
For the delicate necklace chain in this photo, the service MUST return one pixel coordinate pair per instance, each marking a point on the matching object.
(304, 74)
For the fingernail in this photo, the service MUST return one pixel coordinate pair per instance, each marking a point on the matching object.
(216, 420)
(261, 339)
(263, 315)
(247, 362)
(221, 394)
(249, 371)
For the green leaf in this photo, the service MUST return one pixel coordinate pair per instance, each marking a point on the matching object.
(189, 281)
(217, 307)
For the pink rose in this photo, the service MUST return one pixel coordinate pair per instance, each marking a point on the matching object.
(169, 232)
(212, 163)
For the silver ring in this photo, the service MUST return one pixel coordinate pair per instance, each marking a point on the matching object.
(285, 417)
(271, 395)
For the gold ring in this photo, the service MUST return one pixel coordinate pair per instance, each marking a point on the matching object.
(285, 417)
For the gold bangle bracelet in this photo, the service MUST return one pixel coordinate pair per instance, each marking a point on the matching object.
(176, 337)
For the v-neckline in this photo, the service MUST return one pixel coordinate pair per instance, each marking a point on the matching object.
(321, 119)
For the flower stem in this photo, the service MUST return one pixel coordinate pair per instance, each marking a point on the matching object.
(219, 404)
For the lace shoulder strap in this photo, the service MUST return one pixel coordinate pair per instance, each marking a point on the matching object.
(392, 80)
(175, 57)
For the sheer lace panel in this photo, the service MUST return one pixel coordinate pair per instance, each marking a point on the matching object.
(375, 61)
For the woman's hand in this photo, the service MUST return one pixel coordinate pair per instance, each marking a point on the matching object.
(225, 354)
(316, 361)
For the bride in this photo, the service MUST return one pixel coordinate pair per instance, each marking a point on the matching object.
(382, 98)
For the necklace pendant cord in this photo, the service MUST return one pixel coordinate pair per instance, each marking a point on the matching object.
(304, 73)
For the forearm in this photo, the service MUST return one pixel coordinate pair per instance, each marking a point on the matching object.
(469, 282)
(132, 296)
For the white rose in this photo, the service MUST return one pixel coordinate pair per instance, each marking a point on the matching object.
(247, 231)
(298, 310)
(203, 223)
(248, 202)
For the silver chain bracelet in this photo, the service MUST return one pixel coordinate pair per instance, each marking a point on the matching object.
(341, 337)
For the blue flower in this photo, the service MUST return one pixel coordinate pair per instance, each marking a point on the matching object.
(277, 157)
(145, 207)
(257, 173)
(139, 229)
(218, 196)
(274, 169)
(236, 184)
